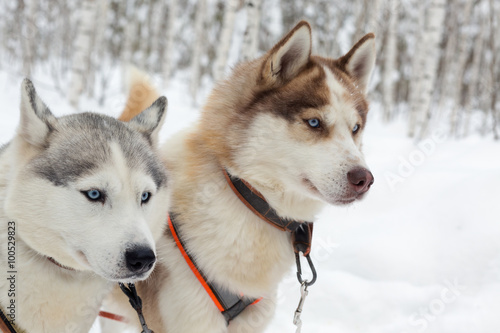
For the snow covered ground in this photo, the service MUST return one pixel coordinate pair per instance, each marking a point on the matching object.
(420, 254)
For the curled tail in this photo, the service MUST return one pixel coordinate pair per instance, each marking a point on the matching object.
(141, 95)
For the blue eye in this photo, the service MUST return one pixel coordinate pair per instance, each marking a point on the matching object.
(355, 129)
(314, 123)
(145, 196)
(94, 195)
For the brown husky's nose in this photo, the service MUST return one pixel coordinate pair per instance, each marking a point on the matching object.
(360, 180)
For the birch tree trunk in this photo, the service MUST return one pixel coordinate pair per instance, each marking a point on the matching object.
(461, 63)
(475, 68)
(390, 60)
(493, 70)
(428, 67)
(416, 70)
(83, 43)
(225, 39)
(250, 45)
(197, 48)
(433, 35)
(448, 64)
(168, 53)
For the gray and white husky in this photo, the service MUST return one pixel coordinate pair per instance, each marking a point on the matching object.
(81, 197)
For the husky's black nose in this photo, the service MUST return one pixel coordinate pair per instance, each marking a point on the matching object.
(140, 259)
(360, 180)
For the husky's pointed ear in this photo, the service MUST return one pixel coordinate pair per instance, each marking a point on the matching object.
(287, 58)
(149, 121)
(360, 61)
(36, 119)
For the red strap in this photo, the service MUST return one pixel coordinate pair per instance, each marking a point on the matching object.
(113, 316)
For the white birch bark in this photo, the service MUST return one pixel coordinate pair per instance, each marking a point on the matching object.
(197, 48)
(447, 73)
(83, 44)
(475, 75)
(494, 69)
(390, 60)
(461, 63)
(250, 45)
(168, 52)
(416, 70)
(433, 34)
(429, 61)
(225, 38)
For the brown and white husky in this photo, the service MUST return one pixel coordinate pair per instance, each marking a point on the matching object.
(290, 125)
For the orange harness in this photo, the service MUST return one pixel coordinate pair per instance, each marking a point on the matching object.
(229, 304)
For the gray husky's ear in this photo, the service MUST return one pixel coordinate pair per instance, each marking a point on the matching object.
(149, 121)
(36, 119)
(287, 58)
(360, 61)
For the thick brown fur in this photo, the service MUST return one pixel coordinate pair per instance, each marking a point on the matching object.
(256, 125)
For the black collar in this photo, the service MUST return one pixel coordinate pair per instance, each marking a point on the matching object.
(255, 201)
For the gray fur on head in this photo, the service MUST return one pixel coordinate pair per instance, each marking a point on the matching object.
(36, 119)
(149, 121)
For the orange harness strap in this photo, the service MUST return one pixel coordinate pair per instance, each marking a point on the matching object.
(230, 305)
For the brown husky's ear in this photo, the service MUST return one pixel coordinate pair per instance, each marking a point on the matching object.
(287, 58)
(360, 61)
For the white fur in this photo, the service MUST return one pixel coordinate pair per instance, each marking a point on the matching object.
(362, 62)
(60, 222)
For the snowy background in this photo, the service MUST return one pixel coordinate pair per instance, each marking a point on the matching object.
(420, 254)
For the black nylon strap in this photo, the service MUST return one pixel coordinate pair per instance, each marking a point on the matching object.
(136, 303)
(6, 326)
(261, 206)
(236, 309)
(302, 238)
